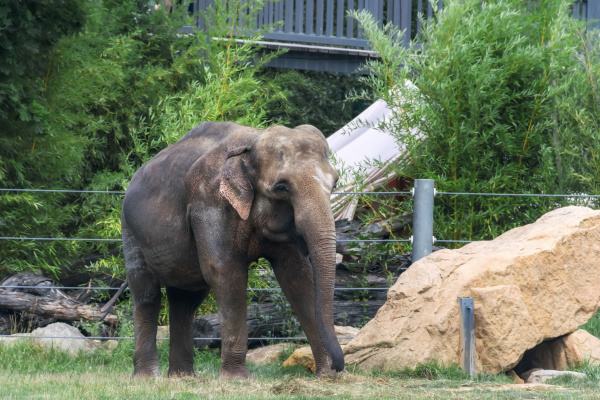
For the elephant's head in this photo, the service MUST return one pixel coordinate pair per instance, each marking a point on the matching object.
(281, 180)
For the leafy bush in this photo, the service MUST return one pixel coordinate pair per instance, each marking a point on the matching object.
(504, 101)
(115, 93)
(317, 98)
(593, 325)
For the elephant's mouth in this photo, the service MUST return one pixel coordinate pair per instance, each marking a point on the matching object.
(301, 243)
(278, 236)
(280, 226)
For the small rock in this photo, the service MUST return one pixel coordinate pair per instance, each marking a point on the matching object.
(302, 356)
(266, 354)
(162, 331)
(545, 374)
(58, 329)
(338, 258)
(525, 375)
(345, 332)
(514, 377)
(581, 347)
(111, 345)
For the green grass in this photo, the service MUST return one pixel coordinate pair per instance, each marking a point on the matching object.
(29, 372)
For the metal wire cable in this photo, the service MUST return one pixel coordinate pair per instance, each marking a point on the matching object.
(458, 241)
(132, 338)
(112, 288)
(61, 239)
(60, 287)
(62, 191)
(120, 240)
(122, 192)
(520, 194)
(372, 240)
(371, 193)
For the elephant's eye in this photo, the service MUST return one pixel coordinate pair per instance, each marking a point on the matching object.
(280, 187)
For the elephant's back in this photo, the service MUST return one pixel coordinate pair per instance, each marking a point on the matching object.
(168, 168)
(157, 191)
(208, 133)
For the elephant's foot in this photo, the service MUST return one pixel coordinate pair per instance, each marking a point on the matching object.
(235, 374)
(146, 373)
(329, 373)
(181, 373)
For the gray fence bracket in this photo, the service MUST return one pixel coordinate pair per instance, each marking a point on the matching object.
(467, 335)
(422, 238)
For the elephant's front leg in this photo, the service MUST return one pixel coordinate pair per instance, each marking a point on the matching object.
(229, 285)
(294, 274)
(222, 246)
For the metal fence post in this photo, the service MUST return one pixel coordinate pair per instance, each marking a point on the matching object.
(422, 239)
(467, 335)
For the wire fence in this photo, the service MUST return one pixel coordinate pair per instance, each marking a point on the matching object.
(249, 289)
(158, 338)
(116, 288)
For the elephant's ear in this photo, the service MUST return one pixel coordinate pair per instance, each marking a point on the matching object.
(236, 186)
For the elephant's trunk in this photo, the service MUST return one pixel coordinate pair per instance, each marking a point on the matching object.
(315, 223)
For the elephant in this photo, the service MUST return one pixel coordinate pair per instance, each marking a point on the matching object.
(199, 212)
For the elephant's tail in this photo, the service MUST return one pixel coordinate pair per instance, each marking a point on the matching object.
(108, 306)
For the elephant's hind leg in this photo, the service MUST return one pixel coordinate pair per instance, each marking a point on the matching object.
(182, 305)
(145, 297)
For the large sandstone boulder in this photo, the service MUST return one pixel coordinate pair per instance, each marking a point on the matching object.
(531, 284)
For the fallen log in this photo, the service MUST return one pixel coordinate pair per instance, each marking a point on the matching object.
(44, 286)
(265, 320)
(63, 309)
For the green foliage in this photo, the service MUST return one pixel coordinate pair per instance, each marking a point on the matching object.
(593, 325)
(30, 31)
(504, 101)
(115, 93)
(316, 98)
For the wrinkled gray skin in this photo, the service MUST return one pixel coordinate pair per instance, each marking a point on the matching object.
(201, 210)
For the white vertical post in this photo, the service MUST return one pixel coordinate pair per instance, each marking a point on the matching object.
(467, 335)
